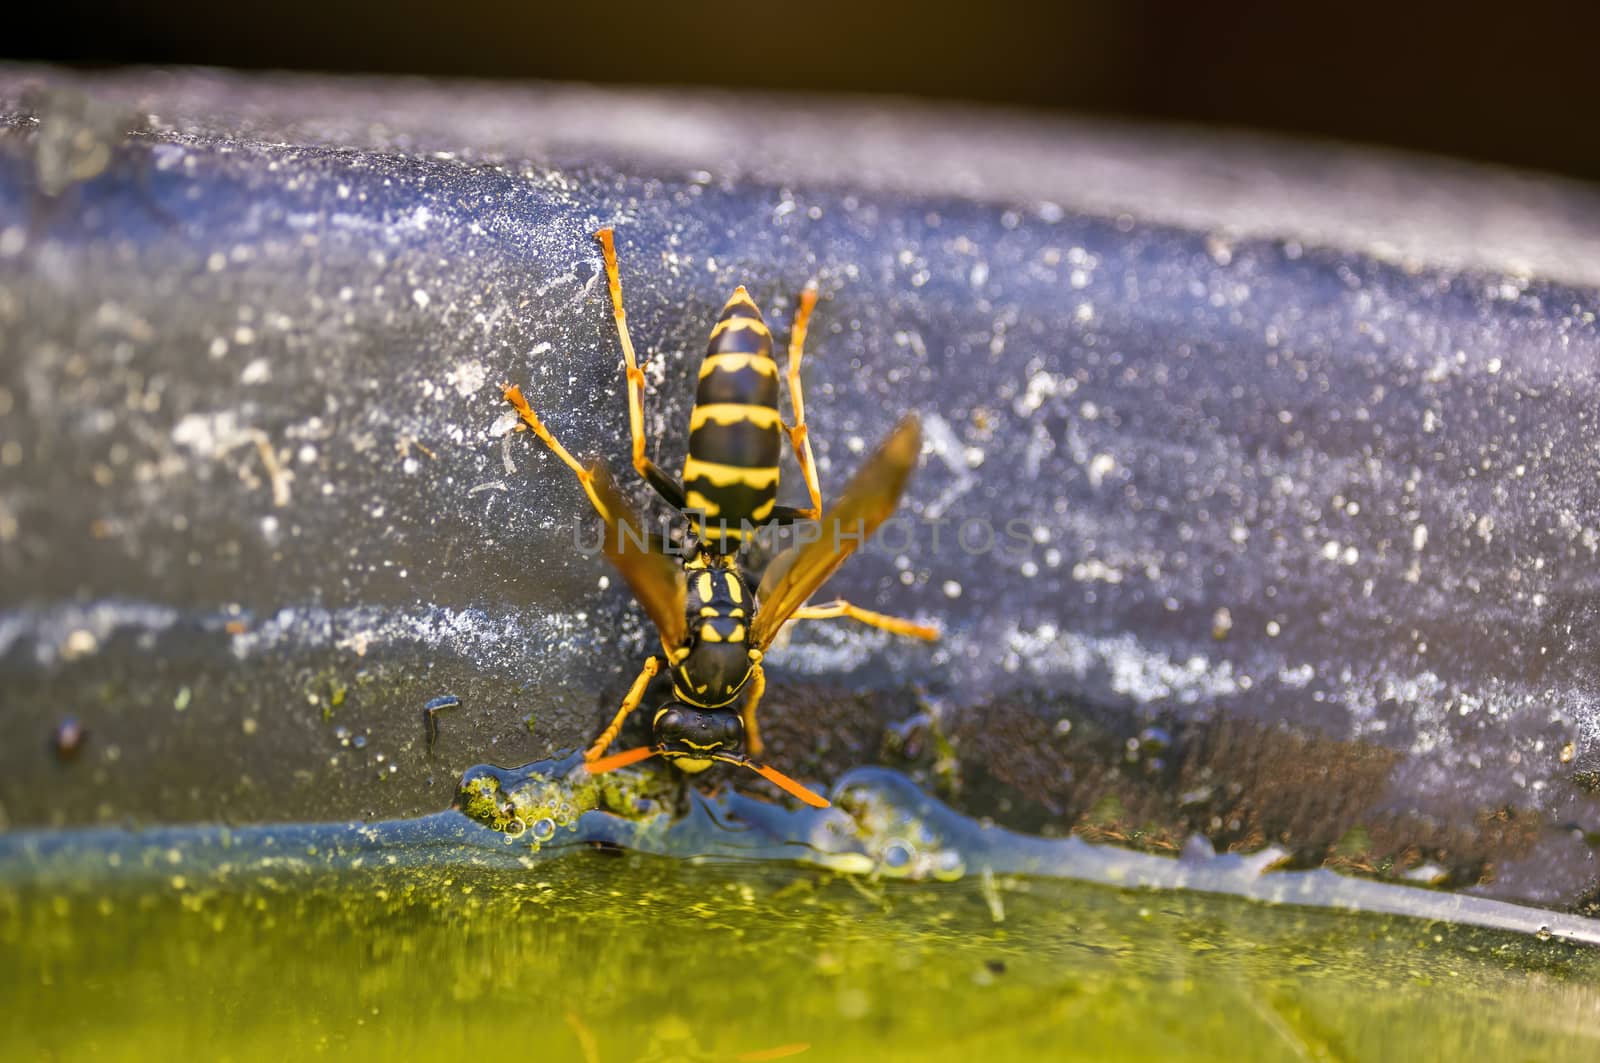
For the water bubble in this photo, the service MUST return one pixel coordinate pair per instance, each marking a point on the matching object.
(544, 829)
(1155, 740)
(948, 866)
(514, 827)
(898, 854)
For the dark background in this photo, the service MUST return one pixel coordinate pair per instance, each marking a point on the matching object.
(1512, 83)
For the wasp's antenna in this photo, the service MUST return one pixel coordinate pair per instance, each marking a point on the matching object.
(601, 765)
(776, 777)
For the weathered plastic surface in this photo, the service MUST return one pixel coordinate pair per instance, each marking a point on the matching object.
(1302, 441)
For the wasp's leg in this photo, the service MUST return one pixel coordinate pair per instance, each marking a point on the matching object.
(513, 395)
(752, 733)
(629, 703)
(798, 439)
(839, 607)
(665, 486)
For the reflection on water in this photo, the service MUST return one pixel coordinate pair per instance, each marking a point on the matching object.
(887, 925)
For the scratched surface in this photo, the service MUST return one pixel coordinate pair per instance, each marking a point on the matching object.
(1305, 541)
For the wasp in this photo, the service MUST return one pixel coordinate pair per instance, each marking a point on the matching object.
(715, 628)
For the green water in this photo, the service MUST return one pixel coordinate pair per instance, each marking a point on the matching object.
(742, 959)
(442, 938)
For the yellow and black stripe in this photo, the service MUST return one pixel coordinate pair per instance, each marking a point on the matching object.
(715, 663)
(731, 475)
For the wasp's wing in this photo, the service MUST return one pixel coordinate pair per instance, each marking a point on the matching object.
(656, 579)
(867, 501)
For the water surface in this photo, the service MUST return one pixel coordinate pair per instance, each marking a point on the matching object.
(440, 936)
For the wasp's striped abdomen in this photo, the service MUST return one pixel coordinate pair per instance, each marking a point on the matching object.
(731, 475)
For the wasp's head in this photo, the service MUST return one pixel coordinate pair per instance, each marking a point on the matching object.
(692, 738)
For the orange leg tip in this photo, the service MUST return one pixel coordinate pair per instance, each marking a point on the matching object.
(513, 395)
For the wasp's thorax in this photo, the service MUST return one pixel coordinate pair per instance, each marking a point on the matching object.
(713, 665)
(692, 737)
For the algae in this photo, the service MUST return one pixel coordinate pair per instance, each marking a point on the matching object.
(615, 917)
(592, 957)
